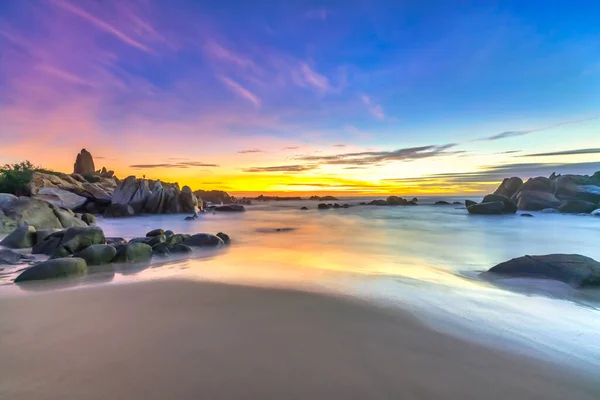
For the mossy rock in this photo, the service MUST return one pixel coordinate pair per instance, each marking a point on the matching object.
(97, 254)
(21, 238)
(51, 269)
(133, 253)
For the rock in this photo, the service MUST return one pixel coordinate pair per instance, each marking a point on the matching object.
(156, 201)
(169, 233)
(106, 174)
(155, 232)
(577, 207)
(214, 196)
(150, 240)
(52, 185)
(470, 203)
(88, 218)
(526, 215)
(550, 211)
(224, 237)
(172, 205)
(596, 213)
(191, 218)
(509, 205)
(84, 164)
(441, 203)
(539, 184)
(140, 197)
(181, 249)
(573, 269)
(161, 250)
(115, 241)
(77, 239)
(118, 211)
(175, 239)
(187, 200)
(203, 240)
(323, 206)
(60, 198)
(49, 244)
(59, 268)
(230, 208)
(530, 200)
(457, 203)
(21, 238)
(133, 253)
(42, 234)
(336, 205)
(6, 198)
(509, 187)
(13, 257)
(304, 208)
(66, 217)
(494, 207)
(28, 211)
(378, 203)
(396, 201)
(578, 187)
(97, 254)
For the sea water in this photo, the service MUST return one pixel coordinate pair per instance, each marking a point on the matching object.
(424, 259)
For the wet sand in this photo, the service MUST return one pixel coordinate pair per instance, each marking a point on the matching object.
(187, 340)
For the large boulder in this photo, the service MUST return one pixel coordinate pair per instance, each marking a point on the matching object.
(12, 257)
(118, 211)
(156, 200)
(133, 253)
(577, 207)
(6, 198)
(573, 269)
(578, 187)
(60, 198)
(539, 184)
(494, 207)
(51, 186)
(509, 186)
(509, 205)
(214, 196)
(28, 211)
(49, 243)
(59, 268)
(470, 203)
(172, 204)
(187, 200)
(203, 240)
(97, 254)
(88, 218)
(531, 200)
(66, 217)
(21, 238)
(84, 163)
(396, 201)
(77, 239)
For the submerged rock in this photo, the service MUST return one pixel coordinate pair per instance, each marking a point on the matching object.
(224, 237)
(509, 206)
(203, 240)
(442, 203)
(59, 268)
(573, 269)
(577, 207)
(494, 207)
(132, 253)
(527, 215)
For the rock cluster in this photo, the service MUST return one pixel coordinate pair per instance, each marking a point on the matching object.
(392, 201)
(72, 251)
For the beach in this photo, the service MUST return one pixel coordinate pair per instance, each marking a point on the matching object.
(183, 339)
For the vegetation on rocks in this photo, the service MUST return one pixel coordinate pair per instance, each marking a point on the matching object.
(14, 178)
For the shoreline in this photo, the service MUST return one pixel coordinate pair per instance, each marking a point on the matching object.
(182, 339)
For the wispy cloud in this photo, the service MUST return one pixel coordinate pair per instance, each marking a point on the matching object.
(219, 52)
(64, 75)
(310, 77)
(320, 14)
(250, 151)
(510, 152)
(339, 145)
(100, 24)
(380, 157)
(282, 168)
(240, 90)
(510, 134)
(291, 148)
(373, 108)
(173, 165)
(564, 153)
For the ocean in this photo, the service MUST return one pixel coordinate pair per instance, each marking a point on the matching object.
(424, 259)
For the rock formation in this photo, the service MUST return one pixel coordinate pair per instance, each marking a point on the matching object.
(84, 164)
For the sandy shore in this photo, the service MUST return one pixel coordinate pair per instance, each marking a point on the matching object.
(186, 340)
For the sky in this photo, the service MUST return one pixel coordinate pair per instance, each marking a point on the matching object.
(337, 97)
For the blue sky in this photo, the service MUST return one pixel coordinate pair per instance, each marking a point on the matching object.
(253, 85)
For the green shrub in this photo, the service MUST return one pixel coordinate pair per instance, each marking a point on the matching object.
(14, 178)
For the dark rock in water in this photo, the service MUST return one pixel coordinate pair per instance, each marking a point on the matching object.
(469, 203)
(441, 203)
(187, 200)
(457, 203)
(577, 207)
(336, 205)
(84, 163)
(157, 199)
(161, 250)
(115, 241)
(494, 207)
(530, 200)
(526, 215)
(13, 257)
(230, 208)
(414, 200)
(539, 184)
(150, 240)
(224, 237)
(59, 268)
(550, 211)
(181, 249)
(323, 206)
(133, 253)
(21, 238)
(77, 239)
(509, 205)
(49, 244)
(88, 218)
(175, 239)
(377, 203)
(97, 254)
(119, 211)
(203, 240)
(304, 208)
(191, 218)
(346, 206)
(396, 201)
(578, 187)
(362, 203)
(573, 269)
(509, 187)
(42, 234)
(169, 233)
(155, 232)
